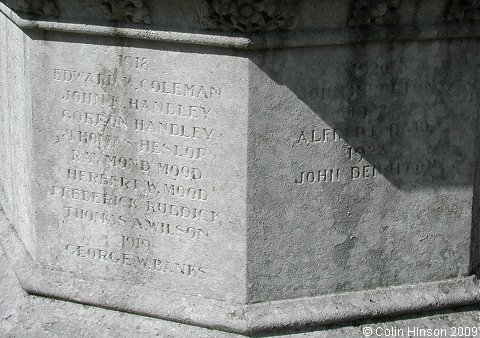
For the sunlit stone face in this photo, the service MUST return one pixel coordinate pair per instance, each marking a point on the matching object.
(140, 166)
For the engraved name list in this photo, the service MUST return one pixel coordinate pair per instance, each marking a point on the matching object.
(132, 152)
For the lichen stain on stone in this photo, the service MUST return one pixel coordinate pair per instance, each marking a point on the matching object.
(342, 251)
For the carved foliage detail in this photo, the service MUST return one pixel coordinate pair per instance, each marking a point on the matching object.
(252, 15)
(375, 12)
(468, 10)
(132, 11)
(37, 7)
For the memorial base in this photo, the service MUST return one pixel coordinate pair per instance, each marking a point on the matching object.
(252, 168)
(243, 319)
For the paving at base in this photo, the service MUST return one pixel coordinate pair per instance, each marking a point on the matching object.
(23, 315)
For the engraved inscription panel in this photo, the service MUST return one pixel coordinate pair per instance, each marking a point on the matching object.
(364, 164)
(137, 175)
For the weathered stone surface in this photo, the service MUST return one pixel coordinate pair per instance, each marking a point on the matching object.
(374, 12)
(35, 7)
(126, 11)
(248, 178)
(140, 187)
(26, 315)
(361, 168)
(15, 137)
(464, 10)
(252, 16)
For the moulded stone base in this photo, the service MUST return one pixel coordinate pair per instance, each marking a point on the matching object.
(244, 319)
(25, 315)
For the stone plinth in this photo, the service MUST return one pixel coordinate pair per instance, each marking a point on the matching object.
(245, 166)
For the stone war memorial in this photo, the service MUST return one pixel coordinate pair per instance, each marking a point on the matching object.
(247, 166)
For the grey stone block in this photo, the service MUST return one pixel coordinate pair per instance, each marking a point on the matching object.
(243, 166)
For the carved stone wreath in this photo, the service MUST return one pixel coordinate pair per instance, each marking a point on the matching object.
(132, 11)
(37, 7)
(464, 10)
(375, 12)
(252, 15)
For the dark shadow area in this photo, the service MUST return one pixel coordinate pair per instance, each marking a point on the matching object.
(152, 15)
(361, 166)
(168, 16)
(405, 111)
